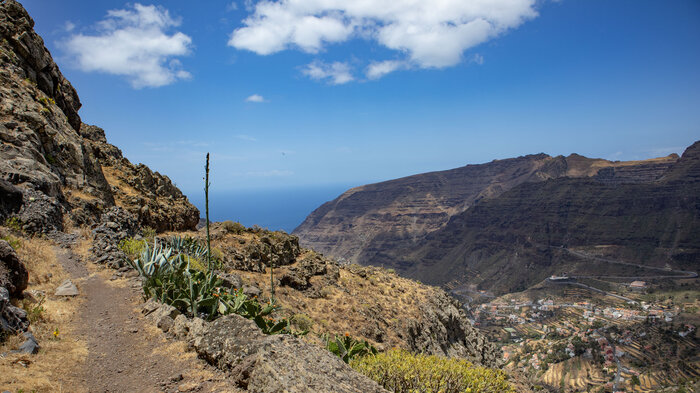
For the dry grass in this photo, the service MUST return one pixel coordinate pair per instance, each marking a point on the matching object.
(74, 193)
(577, 373)
(356, 305)
(82, 248)
(49, 370)
(112, 177)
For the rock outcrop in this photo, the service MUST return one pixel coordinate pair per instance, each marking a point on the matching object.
(150, 196)
(13, 275)
(445, 330)
(10, 199)
(58, 163)
(13, 280)
(12, 319)
(261, 363)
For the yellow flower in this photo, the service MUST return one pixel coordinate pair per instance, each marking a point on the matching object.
(56, 333)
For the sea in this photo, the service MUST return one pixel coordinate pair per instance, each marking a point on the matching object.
(273, 209)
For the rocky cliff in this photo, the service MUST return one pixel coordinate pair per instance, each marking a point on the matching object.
(376, 223)
(515, 217)
(513, 241)
(64, 169)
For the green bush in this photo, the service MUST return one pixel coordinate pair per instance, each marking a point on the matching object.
(400, 371)
(132, 247)
(233, 227)
(14, 242)
(14, 223)
(347, 348)
(46, 101)
(149, 233)
(302, 321)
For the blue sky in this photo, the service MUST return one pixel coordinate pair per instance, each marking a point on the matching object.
(467, 83)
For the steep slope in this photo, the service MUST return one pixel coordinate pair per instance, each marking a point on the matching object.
(367, 302)
(513, 241)
(56, 161)
(376, 223)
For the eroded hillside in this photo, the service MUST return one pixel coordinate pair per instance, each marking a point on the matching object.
(376, 223)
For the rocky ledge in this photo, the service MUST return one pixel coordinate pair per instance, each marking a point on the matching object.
(261, 363)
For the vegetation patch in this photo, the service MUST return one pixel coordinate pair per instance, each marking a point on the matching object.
(348, 348)
(132, 247)
(400, 371)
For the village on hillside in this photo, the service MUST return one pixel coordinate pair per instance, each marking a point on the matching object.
(578, 340)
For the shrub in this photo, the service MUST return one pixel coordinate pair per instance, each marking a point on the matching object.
(34, 310)
(233, 227)
(132, 247)
(46, 101)
(302, 321)
(347, 348)
(400, 371)
(14, 242)
(149, 233)
(14, 223)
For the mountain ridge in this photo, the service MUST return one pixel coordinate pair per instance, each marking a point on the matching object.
(385, 223)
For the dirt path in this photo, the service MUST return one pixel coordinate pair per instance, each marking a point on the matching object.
(125, 352)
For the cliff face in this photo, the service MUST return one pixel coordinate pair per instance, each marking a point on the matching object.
(377, 224)
(63, 168)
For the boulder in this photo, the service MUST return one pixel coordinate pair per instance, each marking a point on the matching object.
(299, 276)
(30, 345)
(13, 273)
(10, 199)
(12, 319)
(67, 288)
(230, 280)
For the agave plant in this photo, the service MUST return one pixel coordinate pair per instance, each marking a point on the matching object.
(186, 245)
(348, 348)
(167, 277)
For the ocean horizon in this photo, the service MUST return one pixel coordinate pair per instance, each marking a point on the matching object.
(273, 209)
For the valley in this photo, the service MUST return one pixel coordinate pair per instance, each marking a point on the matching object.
(536, 273)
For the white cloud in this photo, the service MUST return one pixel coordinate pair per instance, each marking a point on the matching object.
(336, 73)
(134, 43)
(255, 98)
(431, 34)
(69, 26)
(378, 69)
(232, 6)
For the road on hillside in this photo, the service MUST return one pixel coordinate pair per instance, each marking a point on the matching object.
(673, 273)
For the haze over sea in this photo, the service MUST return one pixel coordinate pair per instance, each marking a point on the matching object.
(274, 209)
